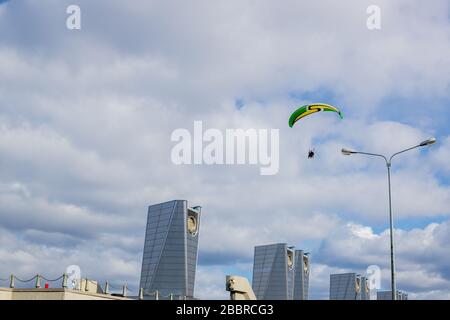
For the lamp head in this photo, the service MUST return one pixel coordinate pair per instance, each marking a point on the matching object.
(428, 142)
(347, 152)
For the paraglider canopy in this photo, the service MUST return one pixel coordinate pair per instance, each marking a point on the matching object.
(308, 109)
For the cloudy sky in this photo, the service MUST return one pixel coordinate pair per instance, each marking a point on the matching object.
(86, 118)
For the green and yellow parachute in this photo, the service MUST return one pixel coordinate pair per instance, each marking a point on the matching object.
(308, 109)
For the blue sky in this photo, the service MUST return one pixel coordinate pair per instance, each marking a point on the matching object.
(86, 118)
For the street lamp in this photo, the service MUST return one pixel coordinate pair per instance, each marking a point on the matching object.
(348, 152)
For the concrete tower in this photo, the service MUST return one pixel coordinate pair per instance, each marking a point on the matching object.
(387, 295)
(365, 290)
(301, 278)
(273, 272)
(345, 286)
(170, 250)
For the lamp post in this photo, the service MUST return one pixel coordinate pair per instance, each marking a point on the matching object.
(348, 152)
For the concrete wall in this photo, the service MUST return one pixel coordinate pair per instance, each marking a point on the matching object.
(74, 295)
(53, 294)
(5, 294)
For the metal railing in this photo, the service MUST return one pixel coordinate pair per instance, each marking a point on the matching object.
(83, 285)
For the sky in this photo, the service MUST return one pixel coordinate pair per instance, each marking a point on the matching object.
(86, 118)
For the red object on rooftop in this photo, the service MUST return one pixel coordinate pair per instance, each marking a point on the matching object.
(46, 285)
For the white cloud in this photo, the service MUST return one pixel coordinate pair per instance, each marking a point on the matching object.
(441, 155)
(210, 284)
(26, 259)
(421, 262)
(85, 123)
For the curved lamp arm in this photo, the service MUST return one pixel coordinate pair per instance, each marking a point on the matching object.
(349, 152)
(390, 159)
